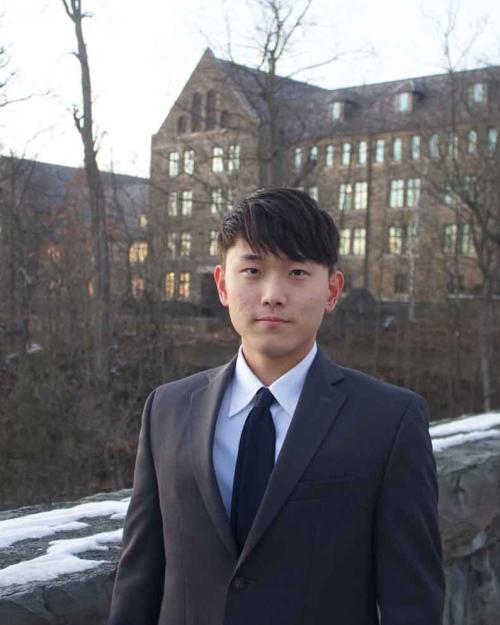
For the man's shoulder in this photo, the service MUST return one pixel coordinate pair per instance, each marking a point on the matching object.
(191, 382)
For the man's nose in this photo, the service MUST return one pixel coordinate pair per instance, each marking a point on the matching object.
(273, 292)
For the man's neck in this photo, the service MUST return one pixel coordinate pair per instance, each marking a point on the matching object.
(269, 369)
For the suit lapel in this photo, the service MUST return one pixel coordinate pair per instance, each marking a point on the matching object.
(205, 404)
(318, 407)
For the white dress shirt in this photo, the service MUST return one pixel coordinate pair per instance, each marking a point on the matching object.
(235, 407)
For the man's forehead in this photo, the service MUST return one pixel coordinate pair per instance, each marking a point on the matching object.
(242, 251)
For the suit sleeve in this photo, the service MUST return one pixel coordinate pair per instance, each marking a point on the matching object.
(410, 580)
(138, 586)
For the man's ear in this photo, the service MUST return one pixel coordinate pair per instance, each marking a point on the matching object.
(335, 287)
(220, 283)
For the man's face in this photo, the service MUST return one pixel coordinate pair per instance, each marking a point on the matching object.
(276, 305)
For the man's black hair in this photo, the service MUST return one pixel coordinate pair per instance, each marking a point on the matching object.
(282, 221)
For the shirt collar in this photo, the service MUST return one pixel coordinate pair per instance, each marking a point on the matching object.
(286, 389)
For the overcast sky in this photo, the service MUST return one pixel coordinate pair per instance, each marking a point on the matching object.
(142, 53)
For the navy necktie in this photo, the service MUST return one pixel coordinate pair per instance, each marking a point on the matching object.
(254, 465)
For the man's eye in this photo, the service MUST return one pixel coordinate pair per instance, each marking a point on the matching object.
(299, 272)
(252, 271)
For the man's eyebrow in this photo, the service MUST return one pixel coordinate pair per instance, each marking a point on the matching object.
(250, 257)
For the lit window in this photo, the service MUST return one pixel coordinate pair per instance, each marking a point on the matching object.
(403, 102)
(229, 199)
(337, 110)
(143, 221)
(90, 288)
(453, 146)
(138, 252)
(345, 241)
(415, 148)
(186, 203)
(170, 285)
(313, 153)
(313, 192)
(492, 139)
(434, 146)
(172, 203)
(360, 195)
(411, 237)
(54, 252)
(172, 243)
(184, 283)
(359, 241)
(329, 153)
(189, 162)
(467, 247)
(362, 152)
(233, 161)
(186, 244)
(450, 238)
(213, 247)
(346, 154)
(217, 159)
(395, 240)
(397, 149)
(173, 164)
(137, 285)
(379, 151)
(217, 203)
(298, 158)
(397, 192)
(477, 93)
(413, 192)
(451, 197)
(345, 197)
(472, 142)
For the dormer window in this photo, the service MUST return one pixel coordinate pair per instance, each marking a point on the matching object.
(478, 93)
(337, 110)
(404, 102)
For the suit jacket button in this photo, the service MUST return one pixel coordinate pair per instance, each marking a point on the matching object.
(240, 583)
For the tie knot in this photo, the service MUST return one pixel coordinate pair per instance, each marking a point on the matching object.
(263, 398)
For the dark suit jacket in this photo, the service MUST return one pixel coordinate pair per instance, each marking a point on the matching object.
(348, 520)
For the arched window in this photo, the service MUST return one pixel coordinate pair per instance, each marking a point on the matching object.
(196, 112)
(210, 110)
(181, 125)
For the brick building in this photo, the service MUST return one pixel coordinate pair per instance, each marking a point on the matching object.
(406, 168)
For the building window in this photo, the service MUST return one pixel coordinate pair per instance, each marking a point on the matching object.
(404, 102)
(397, 149)
(196, 112)
(472, 142)
(229, 199)
(467, 247)
(379, 151)
(137, 285)
(138, 252)
(181, 125)
(395, 240)
(143, 221)
(478, 93)
(397, 193)
(453, 146)
(450, 238)
(187, 203)
(224, 119)
(189, 162)
(359, 241)
(434, 146)
(346, 154)
(210, 106)
(184, 284)
(345, 242)
(233, 161)
(492, 139)
(217, 202)
(400, 283)
(172, 244)
(412, 192)
(217, 159)
(313, 192)
(170, 285)
(345, 197)
(172, 203)
(298, 158)
(360, 195)
(415, 148)
(213, 246)
(329, 153)
(186, 244)
(337, 110)
(313, 154)
(456, 285)
(362, 152)
(173, 164)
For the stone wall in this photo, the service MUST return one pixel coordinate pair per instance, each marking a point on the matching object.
(469, 479)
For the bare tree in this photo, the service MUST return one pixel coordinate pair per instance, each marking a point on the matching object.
(84, 124)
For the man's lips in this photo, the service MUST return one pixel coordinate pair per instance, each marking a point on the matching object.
(273, 319)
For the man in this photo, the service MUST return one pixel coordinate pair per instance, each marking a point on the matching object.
(281, 488)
